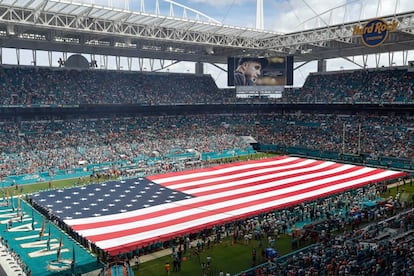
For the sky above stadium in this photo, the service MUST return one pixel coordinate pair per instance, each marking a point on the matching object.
(292, 15)
(279, 16)
(283, 15)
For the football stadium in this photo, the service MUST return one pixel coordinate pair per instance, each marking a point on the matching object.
(122, 152)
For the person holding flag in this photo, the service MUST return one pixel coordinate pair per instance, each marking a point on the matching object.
(42, 231)
(8, 196)
(18, 205)
(73, 263)
(12, 201)
(4, 191)
(48, 241)
(33, 220)
(59, 249)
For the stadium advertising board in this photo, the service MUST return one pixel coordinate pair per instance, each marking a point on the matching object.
(259, 76)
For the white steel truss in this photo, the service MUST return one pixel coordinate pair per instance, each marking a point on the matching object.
(87, 28)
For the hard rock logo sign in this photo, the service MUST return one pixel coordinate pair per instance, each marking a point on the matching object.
(375, 32)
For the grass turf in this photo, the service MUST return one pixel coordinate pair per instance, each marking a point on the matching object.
(226, 256)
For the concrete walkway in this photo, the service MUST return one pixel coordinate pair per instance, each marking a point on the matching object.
(153, 256)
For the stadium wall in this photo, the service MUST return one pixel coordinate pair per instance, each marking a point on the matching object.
(127, 110)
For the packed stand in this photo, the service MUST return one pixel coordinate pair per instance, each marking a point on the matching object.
(385, 85)
(36, 86)
(375, 136)
(383, 248)
(46, 145)
(53, 86)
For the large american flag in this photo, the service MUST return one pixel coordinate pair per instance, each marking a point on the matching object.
(120, 216)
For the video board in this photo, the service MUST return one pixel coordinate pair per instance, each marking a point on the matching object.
(260, 76)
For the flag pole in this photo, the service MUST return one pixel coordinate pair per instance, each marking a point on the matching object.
(343, 138)
(3, 190)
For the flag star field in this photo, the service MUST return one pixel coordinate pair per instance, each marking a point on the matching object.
(106, 198)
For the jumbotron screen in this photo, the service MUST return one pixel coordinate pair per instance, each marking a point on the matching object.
(260, 76)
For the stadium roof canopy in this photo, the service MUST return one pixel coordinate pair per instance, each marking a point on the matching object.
(66, 26)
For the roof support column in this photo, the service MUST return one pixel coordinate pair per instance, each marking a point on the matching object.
(34, 55)
(50, 58)
(199, 68)
(322, 65)
(118, 63)
(104, 62)
(18, 56)
(129, 61)
(365, 60)
(405, 57)
(141, 64)
(391, 59)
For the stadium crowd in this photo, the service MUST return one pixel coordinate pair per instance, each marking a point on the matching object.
(38, 146)
(31, 86)
(52, 86)
(359, 133)
(385, 85)
(385, 247)
(29, 147)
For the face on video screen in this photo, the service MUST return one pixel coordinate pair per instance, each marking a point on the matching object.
(270, 71)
